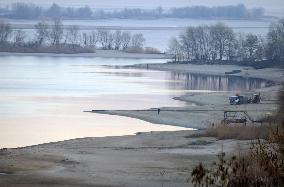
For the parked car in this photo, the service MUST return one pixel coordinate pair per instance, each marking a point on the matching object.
(238, 99)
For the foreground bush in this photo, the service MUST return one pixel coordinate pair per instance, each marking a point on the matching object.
(261, 166)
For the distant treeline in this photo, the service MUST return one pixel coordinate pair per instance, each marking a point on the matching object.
(33, 11)
(220, 44)
(55, 39)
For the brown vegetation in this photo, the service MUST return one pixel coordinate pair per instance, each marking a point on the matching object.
(239, 132)
(151, 50)
(261, 166)
(146, 50)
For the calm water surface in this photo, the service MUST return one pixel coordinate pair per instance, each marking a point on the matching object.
(43, 98)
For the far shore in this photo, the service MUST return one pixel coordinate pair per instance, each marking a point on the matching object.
(98, 53)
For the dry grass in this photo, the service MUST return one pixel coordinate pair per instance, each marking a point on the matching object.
(239, 132)
(267, 168)
(261, 166)
(151, 50)
(146, 50)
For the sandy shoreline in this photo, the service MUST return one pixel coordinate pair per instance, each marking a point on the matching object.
(214, 102)
(98, 53)
(147, 159)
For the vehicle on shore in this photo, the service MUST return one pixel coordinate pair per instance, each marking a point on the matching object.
(241, 99)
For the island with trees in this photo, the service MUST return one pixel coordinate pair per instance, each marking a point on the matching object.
(57, 38)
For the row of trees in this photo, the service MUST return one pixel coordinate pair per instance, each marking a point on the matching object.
(59, 36)
(238, 11)
(219, 42)
(32, 11)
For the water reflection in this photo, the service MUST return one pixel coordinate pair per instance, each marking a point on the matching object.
(193, 81)
(42, 98)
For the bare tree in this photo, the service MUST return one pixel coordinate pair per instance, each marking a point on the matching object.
(230, 44)
(94, 38)
(261, 48)
(42, 32)
(137, 40)
(110, 41)
(207, 43)
(240, 46)
(104, 36)
(251, 45)
(73, 35)
(56, 33)
(188, 43)
(175, 49)
(202, 35)
(85, 39)
(19, 38)
(117, 39)
(5, 32)
(275, 41)
(125, 40)
(221, 36)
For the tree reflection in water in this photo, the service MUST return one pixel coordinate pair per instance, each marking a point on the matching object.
(193, 81)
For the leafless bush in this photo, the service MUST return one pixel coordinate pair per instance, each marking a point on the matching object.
(261, 166)
(151, 50)
(134, 50)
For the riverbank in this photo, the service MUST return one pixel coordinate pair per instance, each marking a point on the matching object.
(210, 106)
(97, 53)
(147, 159)
(273, 74)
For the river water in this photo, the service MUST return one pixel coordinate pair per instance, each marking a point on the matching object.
(42, 99)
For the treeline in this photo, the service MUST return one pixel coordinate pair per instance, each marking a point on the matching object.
(238, 11)
(57, 38)
(33, 11)
(219, 43)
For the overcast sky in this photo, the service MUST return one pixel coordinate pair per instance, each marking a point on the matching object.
(267, 4)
